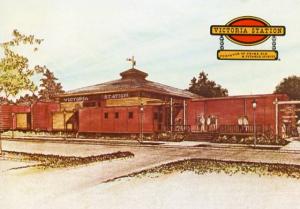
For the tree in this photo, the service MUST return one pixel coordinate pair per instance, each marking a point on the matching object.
(15, 74)
(27, 99)
(206, 88)
(289, 86)
(49, 86)
(4, 100)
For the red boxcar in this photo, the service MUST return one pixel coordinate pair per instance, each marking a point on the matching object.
(117, 119)
(41, 114)
(9, 115)
(225, 111)
(228, 110)
(6, 117)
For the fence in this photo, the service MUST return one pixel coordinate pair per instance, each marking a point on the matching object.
(244, 129)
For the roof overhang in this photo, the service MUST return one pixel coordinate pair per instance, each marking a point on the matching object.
(122, 91)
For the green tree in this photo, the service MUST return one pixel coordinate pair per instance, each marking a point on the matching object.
(49, 86)
(289, 86)
(27, 99)
(205, 87)
(4, 100)
(15, 74)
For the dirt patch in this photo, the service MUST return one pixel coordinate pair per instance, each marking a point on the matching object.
(57, 161)
(202, 166)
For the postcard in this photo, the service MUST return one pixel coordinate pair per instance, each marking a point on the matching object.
(149, 104)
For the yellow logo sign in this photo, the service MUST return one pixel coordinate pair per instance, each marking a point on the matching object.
(247, 31)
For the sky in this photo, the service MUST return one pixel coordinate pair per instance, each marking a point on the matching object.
(86, 42)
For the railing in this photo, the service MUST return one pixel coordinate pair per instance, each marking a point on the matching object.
(244, 128)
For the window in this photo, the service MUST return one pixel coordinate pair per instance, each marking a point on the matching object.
(130, 115)
(106, 115)
(116, 115)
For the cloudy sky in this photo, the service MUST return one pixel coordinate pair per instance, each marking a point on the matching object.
(87, 41)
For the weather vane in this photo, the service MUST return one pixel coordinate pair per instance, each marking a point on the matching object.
(132, 60)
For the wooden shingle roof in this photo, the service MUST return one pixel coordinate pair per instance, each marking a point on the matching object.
(132, 80)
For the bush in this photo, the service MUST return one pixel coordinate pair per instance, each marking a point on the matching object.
(261, 140)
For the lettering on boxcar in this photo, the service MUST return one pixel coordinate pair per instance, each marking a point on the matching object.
(116, 96)
(75, 99)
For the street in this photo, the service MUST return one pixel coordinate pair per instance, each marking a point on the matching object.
(29, 186)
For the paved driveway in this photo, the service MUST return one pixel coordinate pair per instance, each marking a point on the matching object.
(29, 184)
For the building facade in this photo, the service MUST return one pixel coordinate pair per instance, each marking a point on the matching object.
(128, 105)
(134, 105)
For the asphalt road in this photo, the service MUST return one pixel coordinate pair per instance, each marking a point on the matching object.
(29, 185)
(149, 156)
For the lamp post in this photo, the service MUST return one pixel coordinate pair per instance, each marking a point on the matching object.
(13, 116)
(142, 124)
(65, 125)
(254, 105)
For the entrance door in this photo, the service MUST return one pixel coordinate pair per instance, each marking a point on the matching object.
(158, 119)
